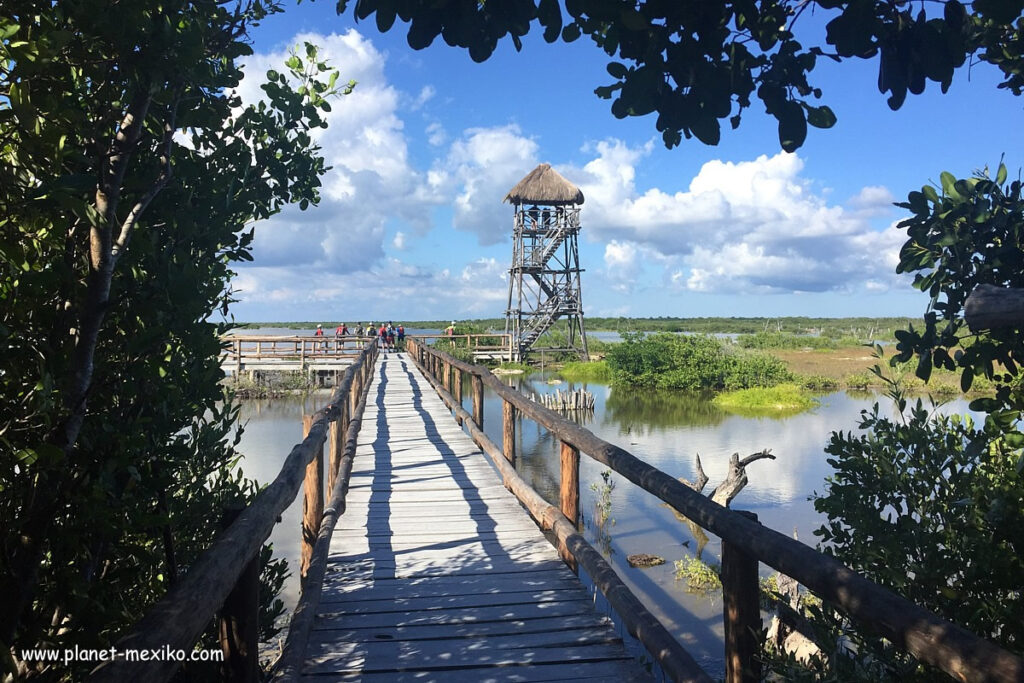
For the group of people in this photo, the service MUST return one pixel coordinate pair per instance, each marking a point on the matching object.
(389, 336)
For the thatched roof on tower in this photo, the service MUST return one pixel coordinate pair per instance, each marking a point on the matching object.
(544, 185)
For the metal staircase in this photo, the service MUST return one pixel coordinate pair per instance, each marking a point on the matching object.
(544, 279)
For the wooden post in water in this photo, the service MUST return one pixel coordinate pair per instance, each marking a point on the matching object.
(313, 500)
(478, 401)
(508, 431)
(238, 622)
(570, 493)
(742, 612)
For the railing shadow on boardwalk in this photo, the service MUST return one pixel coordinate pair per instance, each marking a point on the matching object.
(446, 608)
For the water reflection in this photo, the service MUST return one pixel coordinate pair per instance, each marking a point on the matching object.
(639, 411)
(272, 428)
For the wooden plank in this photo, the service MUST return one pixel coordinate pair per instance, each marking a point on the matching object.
(438, 602)
(369, 569)
(427, 495)
(471, 630)
(466, 615)
(386, 589)
(388, 656)
(590, 672)
(414, 531)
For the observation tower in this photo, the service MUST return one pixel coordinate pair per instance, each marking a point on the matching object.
(544, 280)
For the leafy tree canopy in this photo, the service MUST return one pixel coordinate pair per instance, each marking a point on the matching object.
(130, 173)
(696, 64)
(932, 506)
(967, 232)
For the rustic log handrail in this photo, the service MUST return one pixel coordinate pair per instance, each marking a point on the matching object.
(928, 637)
(177, 621)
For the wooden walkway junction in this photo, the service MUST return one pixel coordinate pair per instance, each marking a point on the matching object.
(249, 353)
(419, 565)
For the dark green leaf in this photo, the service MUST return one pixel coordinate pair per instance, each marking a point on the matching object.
(792, 126)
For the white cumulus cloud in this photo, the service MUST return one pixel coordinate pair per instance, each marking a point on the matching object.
(738, 227)
(481, 167)
(371, 181)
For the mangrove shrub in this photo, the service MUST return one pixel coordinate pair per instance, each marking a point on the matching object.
(692, 362)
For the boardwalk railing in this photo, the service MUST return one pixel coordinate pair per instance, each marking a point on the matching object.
(241, 350)
(223, 574)
(928, 637)
(479, 344)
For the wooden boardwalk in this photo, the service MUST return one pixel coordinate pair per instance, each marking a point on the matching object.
(437, 573)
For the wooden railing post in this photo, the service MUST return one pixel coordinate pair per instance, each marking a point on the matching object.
(508, 431)
(313, 500)
(742, 612)
(238, 623)
(569, 497)
(478, 401)
(356, 391)
(457, 392)
(333, 452)
(446, 378)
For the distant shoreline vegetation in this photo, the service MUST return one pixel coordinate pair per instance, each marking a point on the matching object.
(830, 328)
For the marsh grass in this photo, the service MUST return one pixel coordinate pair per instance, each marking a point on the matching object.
(596, 371)
(780, 399)
(850, 368)
(699, 576)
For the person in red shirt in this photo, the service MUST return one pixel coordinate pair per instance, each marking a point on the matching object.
(319, 343)
(340, 332)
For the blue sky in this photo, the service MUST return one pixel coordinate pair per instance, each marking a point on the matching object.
(412, 226)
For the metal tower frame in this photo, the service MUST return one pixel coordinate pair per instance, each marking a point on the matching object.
(544, 280)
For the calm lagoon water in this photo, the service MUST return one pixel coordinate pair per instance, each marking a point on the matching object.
(668, 430)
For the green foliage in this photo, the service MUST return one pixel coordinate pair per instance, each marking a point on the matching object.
(783, 340)
(750, 370)
(699, 576)
(603, 503)
(272, 385)
(933, 508)
(780, 399)
(818, 383)
(129, 172)
(696, 65)
(861, 380)
(966, 233)
(596, 371)
(521, 367)
(671, 361)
